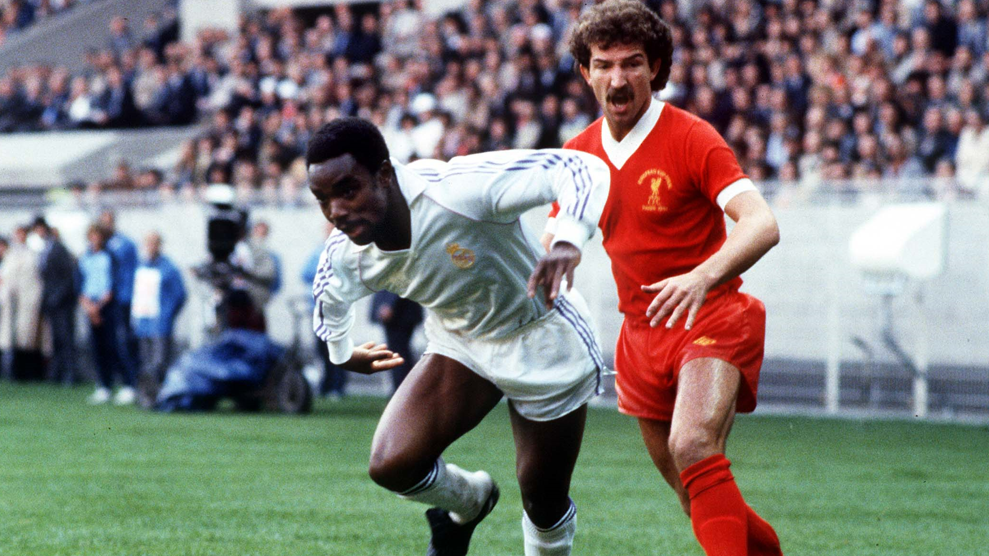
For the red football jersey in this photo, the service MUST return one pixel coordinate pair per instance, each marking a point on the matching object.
(662, 218)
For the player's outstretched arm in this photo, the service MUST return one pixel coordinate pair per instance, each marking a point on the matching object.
(754, 234)
(372, 358)
(560, 261)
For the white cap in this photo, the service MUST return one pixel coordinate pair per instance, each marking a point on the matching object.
(423, 102)
(220, 194)
(541, 31)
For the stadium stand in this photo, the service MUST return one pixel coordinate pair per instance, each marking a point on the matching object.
(18, 15)
(805, 92)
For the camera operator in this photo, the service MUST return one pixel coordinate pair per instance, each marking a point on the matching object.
(241, 272)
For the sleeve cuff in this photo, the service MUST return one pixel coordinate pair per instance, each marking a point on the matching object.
(550, 226)
(340, 350)
(570, 232)
(734, 189)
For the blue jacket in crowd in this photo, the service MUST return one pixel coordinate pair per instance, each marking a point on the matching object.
(96, 269)
(311, 267)
(171, 298)
(124, 253)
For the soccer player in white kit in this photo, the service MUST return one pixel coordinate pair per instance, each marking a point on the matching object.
(448, 236)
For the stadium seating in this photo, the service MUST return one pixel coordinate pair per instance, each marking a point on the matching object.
(807, 93)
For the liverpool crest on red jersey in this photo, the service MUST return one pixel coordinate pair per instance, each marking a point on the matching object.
(657, 181)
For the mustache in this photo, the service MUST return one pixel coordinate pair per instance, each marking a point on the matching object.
(624, 93)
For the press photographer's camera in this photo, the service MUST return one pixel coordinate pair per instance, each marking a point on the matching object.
(226, 224)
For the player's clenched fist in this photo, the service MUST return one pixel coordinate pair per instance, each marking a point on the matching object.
(561, 261)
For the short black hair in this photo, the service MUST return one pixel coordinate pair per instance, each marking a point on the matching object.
(39, 220)
(354, 136)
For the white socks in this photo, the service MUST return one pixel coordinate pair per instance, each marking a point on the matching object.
(463, 495)
(457, 491)
(554, 541)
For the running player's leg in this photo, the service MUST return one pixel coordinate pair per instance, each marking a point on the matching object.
(546, 453)
(702, 418)
(437, 403)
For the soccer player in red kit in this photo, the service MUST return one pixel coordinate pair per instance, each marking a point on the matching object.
(691, 344)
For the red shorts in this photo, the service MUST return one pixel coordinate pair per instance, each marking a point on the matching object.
(730, 327)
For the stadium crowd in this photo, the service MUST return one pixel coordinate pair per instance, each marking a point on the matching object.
(805, 91)
(17, 15)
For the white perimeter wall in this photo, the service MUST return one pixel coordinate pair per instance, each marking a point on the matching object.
(799, 280)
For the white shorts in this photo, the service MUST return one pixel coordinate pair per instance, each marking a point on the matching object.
(546, 369)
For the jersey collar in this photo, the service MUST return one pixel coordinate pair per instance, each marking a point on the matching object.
(411, 184)
(620, 151)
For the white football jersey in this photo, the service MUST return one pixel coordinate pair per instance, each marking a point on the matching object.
(470, 256)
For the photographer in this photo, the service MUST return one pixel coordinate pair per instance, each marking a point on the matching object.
(241, 272)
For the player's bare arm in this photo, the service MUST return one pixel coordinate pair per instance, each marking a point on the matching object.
(754, 234)
(546, 240)
(560, 261)
(370, 358)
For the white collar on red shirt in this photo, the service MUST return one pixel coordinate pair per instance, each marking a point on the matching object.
(620, 151)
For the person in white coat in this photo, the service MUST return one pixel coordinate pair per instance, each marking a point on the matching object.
(21, 330)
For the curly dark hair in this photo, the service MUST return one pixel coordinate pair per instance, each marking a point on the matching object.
(355, 136)
(624, 22)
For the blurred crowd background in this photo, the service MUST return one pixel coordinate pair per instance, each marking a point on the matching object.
(809, 93)
(17, 15)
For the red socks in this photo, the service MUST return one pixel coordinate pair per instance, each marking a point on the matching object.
(762, 538)
(723, 523)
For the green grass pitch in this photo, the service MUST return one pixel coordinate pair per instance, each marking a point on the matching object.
(81, 480)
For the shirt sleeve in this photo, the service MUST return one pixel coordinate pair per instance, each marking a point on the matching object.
(516, 181)
(714, 164)
(335, 289)
(551, 221)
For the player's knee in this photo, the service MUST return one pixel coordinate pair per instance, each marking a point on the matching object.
(393, 469)
(690, 447)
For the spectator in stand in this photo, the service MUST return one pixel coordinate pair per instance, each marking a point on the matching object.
(59, 301)
(123, 254)
(972, 155)
(121, 40)
(935, 142)
(159, 295)
(116, 106)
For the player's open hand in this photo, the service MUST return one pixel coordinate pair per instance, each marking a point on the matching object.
(372, 358)
(561, 261)
(675, 296)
